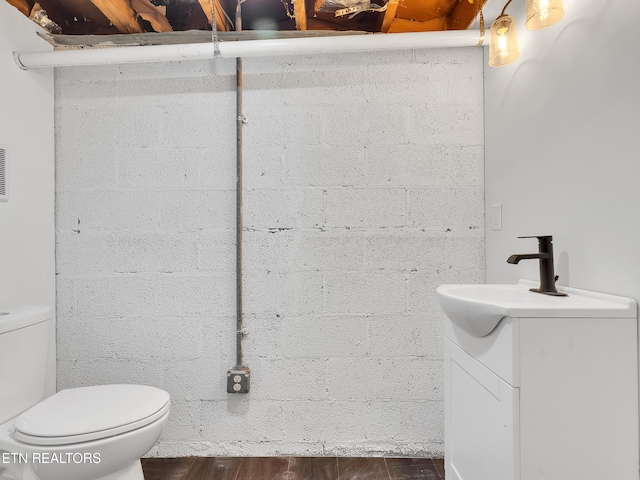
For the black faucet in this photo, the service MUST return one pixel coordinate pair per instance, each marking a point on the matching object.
(545, 255)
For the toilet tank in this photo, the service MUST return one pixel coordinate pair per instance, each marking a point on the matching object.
(24, 346)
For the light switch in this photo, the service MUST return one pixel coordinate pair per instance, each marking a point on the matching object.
(496, 216)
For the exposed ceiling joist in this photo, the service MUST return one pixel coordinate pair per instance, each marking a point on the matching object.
(389, 15)
(426, 16)
(156, 16)
(300, 12)
(132, 17)
(401, 25)
(222, 23)
(120, 14)
(421, 11)
(463, 13)
(21, 5)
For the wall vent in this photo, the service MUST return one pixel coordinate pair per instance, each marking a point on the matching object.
(4, 193)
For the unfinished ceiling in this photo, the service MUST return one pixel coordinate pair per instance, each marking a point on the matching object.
(65, 18)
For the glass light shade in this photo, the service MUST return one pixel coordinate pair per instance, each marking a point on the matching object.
(543, 13)
(503, 41)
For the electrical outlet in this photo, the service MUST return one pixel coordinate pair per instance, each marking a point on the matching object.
(238, 380)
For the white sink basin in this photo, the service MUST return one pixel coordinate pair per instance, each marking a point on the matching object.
(477, 309)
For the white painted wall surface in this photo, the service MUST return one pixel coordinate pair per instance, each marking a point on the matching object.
(27, 262)
(562, 156)
(363, 178)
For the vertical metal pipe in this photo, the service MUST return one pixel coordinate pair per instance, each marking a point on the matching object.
(239, 124)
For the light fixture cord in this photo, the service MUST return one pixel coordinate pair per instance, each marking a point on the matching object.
(505, 8)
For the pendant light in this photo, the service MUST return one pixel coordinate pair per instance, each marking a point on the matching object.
(503, 40)
(543, 13)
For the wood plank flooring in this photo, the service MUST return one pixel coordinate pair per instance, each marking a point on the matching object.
(292, 468)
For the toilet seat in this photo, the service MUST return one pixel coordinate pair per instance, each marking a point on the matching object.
(90, 413)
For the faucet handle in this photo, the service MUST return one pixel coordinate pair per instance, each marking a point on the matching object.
(539, 237)
(544, 242)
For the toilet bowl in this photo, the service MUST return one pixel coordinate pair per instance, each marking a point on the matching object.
(86, 433)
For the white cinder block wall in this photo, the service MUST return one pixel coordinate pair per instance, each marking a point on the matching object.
(364, 192)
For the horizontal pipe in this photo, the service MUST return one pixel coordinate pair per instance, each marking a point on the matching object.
(247, 48)
(350, 43)
(115, 55)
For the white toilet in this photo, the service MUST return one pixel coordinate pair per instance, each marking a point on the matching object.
(88, 433)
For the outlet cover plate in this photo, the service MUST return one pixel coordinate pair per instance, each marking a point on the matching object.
(238, 380)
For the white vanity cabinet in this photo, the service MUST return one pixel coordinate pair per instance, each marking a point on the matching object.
(544, 398)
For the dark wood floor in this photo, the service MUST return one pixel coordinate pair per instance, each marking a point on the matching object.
(292, 468)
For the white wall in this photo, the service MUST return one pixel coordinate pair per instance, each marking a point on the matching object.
(26, 130)
(363, 178)
(562, 156)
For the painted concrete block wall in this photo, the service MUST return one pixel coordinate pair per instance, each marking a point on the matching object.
(363, 193)
(27, 259)
(561, 149)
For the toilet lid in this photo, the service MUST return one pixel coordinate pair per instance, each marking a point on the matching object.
(90, 413)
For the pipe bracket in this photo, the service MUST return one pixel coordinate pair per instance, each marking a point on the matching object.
(16, 58)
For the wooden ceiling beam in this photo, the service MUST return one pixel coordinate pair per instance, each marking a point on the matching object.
(389, 15)
(423, 11)
(300, 12)
(21, 5)
(463, 14)
(222, 24)
(401, 25)
(156, 16)
(120, 14)
(78, 14)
